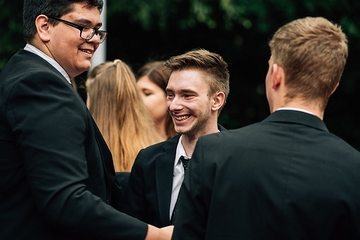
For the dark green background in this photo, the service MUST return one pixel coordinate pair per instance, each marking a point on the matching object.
(140, 30)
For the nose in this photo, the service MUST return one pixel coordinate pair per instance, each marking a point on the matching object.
(174, 104)
(95, 38)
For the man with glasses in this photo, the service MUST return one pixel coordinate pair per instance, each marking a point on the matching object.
(86, 33)
(57, 180)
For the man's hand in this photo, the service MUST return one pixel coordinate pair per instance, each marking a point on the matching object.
(155, 233)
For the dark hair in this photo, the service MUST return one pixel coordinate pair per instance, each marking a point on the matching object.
(54, 8)
(157, 73)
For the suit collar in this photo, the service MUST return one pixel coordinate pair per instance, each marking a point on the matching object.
(164, 177)
(48, 59)
(297, 117)
(221, 128)
(169, 144)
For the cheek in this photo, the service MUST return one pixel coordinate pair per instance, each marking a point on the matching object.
(155, 102)
(148, 103)
(163, 101)
(143, 97)
(168, 103)
(158, 109)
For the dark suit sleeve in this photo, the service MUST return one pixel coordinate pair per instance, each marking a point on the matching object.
(50, 126)
(133, 198)
(194, 200)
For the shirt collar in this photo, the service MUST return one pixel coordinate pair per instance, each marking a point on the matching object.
(295, 109)
(33, 49)
(180, 151)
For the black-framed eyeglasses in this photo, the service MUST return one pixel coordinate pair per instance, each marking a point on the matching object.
(86, 33)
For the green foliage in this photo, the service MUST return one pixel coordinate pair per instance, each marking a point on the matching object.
(11, 29)
(262, 16)
(238, 29)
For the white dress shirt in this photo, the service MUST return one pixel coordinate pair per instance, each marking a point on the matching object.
(33, 49)
(178, 175)
(295, 109)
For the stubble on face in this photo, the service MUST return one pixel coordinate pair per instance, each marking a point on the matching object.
(190, 90)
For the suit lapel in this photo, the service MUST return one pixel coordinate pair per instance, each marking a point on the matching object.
(164, 178)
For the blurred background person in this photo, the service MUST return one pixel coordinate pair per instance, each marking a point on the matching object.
(152, 79)
(122, 117)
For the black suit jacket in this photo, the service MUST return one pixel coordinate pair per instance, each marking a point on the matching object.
(286, 177)
(147, 195)
(56, 174)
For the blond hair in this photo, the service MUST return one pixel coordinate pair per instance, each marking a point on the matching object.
(313, 52)
(123, 119)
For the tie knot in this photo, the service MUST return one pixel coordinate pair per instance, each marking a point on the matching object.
(185, 162)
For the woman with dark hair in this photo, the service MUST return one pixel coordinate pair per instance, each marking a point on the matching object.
(152, 80)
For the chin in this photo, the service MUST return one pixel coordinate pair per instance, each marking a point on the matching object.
(85, 67)
(180, 130)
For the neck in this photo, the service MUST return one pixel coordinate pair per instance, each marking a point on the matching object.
(312, 108)
(189, 141)
(188, 144)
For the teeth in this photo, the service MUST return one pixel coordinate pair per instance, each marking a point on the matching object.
(181, 118)
(87, 51)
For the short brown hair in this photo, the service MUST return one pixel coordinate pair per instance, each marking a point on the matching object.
(313, 52)
(211, 64)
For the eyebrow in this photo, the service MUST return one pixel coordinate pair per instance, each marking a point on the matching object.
(182, 91)
(88, 22)
(187, 90)
(145, 88)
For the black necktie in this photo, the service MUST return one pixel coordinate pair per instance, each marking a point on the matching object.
(185, 162)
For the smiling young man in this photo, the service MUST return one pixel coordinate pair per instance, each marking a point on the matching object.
(196, 92)
(57, 180)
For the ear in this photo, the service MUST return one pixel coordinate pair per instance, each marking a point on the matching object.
(218, 100)
(43, 27)
(278, 76)
(334, 89)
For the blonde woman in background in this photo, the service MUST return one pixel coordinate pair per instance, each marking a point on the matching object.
(152, 80)
(116, 105)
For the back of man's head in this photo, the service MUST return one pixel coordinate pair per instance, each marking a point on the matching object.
(313, 52)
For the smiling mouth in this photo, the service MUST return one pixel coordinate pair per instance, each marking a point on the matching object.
(181, 118)
(87, 51)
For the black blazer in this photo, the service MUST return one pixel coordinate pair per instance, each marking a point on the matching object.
(147, 195)
(57, 178)
(286, 177)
